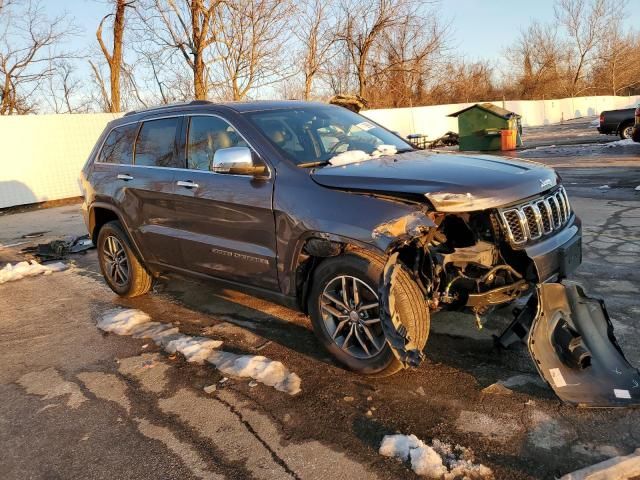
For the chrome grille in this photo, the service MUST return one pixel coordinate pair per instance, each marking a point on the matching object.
(532, 220)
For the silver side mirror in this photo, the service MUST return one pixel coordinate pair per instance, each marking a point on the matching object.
(237, 161)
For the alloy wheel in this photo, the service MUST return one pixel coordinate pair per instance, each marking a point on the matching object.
(627, 132)
(351, 314)
(116, 263)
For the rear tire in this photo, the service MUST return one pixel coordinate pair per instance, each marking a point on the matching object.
(367, 272)
(120, 267)
(626, 131)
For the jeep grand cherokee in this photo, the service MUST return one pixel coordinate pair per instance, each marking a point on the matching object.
(322, 209)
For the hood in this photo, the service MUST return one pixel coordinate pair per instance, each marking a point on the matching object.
(452, 182)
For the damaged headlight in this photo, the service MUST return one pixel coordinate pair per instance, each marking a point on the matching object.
(441, 200)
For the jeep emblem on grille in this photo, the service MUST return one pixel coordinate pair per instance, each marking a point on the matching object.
(545, 183)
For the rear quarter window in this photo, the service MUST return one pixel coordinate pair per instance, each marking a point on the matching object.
(118, 146)
(156, 144)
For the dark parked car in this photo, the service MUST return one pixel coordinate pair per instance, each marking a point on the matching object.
(323, 210)
(617, 122)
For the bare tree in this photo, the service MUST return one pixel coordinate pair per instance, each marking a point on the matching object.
(185, 27)
(115, 57)
(65, 89)
(29, 45)
(538, 62)
(403, 60)
(250, 45)
(316, 34)
(586, 24)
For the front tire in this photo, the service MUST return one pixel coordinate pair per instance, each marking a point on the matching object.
(119, 265)
(344, 310)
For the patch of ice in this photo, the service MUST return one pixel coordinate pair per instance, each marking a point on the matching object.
(11, 273)
(439, 460)
(637, 189)
(604, 187)
(262, 369)
(594, 123)
(122, 322)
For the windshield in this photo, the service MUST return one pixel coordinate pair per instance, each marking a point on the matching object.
(317, 134)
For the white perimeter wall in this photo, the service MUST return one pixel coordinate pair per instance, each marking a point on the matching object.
(41, 155)
(433, 120)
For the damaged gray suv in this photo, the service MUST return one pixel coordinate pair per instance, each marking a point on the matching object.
(323, 210)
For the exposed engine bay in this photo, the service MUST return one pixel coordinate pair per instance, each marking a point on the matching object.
(466, 262)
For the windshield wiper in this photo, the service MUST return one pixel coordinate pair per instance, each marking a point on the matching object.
(321, 163)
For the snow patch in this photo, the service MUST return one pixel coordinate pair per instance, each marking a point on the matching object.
(262, 369)
(122, 322)
(198, 349)
(350, 156)
(194, 349)
(438, 461)
(355, 156)
(627, 142)
(11, 273)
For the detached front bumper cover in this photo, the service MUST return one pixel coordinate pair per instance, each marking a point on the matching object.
(574, 349)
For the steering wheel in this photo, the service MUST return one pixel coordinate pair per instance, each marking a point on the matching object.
(338, 144)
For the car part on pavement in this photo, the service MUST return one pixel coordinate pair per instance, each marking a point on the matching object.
(59, 249)
(575, 351)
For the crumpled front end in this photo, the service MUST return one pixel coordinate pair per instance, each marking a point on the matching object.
(461, 263)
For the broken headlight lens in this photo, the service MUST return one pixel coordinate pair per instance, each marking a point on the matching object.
(447, 199)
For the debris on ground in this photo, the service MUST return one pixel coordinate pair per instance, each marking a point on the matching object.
(209, 389)
(17, 271)
(348, 399)
(262, 369)
(421, 391)
(34, 234)
(59, 249)
(622, 467)
(253, 383)
(497, 389)
(198, 349)
(438, 461)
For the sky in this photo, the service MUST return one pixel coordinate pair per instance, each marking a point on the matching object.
(479, 29)
(473, 35)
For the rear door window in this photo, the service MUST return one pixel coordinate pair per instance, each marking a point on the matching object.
(206, 136)
(156, 144)
(118, 147)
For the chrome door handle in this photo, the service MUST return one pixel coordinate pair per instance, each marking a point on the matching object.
(188, 184)
(124, 176)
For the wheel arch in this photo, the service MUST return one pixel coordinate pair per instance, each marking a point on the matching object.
(101, 213)
(315, 247)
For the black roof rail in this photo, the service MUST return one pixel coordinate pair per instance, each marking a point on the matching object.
(161, 107)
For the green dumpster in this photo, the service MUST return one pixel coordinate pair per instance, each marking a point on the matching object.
(480, 126)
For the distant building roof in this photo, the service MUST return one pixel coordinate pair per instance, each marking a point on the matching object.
(489, 107)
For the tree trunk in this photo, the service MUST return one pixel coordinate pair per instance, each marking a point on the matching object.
(116, 57)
